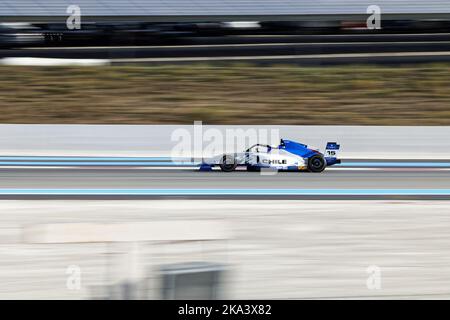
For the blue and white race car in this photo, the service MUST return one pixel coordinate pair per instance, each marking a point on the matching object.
(288, 156)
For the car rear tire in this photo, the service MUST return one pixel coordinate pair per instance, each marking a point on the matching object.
(228, 163)
(317, 163)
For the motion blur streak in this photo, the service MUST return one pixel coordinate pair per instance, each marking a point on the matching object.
(276, 249)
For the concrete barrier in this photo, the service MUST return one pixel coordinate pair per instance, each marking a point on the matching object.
(357, 142)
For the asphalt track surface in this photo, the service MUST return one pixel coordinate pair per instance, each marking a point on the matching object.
(339, 183)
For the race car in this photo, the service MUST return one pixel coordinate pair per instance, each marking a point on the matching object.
(288, 156)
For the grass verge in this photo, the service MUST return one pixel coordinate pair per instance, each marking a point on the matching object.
(234, 94)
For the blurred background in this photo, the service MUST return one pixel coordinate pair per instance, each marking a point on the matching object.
(269, 62)
(91, 91)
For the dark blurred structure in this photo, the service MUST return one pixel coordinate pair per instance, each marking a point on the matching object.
(143, 33)
(20, 34)
(191, 281)
(119, 22)
(185, 281)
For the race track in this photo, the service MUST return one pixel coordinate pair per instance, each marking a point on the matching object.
(345, 183)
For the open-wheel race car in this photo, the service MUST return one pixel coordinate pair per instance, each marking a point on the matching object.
(287, 156)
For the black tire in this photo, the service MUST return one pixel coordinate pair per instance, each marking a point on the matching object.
(317, 163)
(228, 163)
